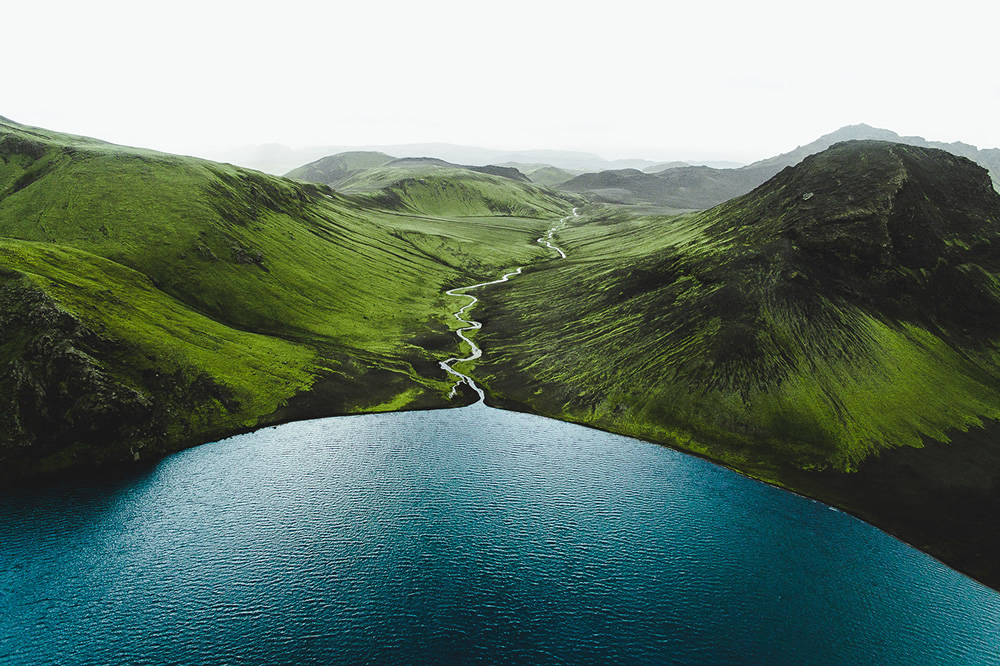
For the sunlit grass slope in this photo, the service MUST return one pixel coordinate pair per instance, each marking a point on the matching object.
(195, 299)
(849, 306)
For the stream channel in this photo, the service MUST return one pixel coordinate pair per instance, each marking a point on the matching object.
(472, 325)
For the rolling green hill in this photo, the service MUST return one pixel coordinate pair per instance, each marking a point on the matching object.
(338, 170)
(153, 301)
(842, 318)
(334, 169)
(550, 176)
(436, 190)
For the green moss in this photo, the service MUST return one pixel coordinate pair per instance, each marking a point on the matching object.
(720, 334)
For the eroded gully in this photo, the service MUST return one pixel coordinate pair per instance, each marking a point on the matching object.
(472, 325)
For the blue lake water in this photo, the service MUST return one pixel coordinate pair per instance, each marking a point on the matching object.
(464, 535)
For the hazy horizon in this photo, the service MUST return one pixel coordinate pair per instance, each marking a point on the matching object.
(730, 81)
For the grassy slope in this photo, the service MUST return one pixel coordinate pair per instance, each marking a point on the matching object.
(229, 282)
(550, 176)
(838, 388)
(438, 190)
(760, 334)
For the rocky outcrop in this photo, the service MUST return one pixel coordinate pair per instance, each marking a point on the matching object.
(57, 395)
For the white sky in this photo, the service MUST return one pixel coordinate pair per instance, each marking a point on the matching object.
(722, 79)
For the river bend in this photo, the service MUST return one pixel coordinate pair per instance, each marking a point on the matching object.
(472, 325)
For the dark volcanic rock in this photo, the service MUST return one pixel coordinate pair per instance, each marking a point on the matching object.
(835, 331)
(57, 395)
(897, 229)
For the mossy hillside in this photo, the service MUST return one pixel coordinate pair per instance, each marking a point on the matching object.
(212, 236)
(185, 375)
(779, 329)
(550, 176)
(236, 267)
(251, 250)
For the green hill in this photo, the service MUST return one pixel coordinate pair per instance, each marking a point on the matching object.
(151, 301)
(334, 169)
(550, 176)
(337, 170)
(439, 190)
(842, 318)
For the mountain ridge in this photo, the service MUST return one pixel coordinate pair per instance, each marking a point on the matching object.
(696, 188)
(336, 170)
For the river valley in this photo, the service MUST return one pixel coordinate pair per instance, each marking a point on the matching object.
(469, 534)
(471, 325)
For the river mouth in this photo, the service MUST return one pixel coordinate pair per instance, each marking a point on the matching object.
(470, 325)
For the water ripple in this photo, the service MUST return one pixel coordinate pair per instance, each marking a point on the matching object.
(464, 535)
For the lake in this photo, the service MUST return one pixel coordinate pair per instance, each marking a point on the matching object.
(464, 535)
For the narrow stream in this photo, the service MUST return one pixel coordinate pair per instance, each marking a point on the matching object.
(472, 325)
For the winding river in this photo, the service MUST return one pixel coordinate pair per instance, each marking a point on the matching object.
(472, 325)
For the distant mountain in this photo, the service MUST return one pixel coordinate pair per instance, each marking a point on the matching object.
(699, 187)
(663, 166)
(717, 164)
(490, 169)
(551, 176)
(277, 159)
(335, 170)
(681, 188)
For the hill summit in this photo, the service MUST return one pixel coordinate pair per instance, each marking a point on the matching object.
(900, 230)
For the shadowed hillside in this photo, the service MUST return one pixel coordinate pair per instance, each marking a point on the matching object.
(845, 312)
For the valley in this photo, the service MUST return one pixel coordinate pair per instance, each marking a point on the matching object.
(154, 302)
(828, 323)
